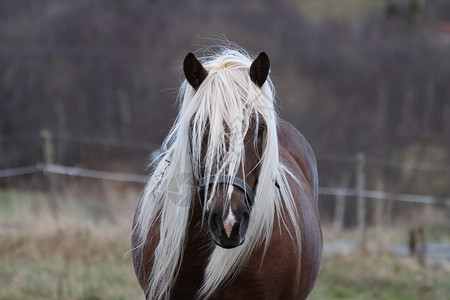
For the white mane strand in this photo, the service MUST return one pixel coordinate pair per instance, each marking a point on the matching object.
(222, 107)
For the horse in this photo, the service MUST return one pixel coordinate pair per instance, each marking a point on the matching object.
(230, 211)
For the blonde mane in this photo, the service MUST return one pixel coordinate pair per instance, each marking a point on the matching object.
(222, 107)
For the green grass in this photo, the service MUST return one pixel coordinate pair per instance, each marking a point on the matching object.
(379, 277)
(82, 256)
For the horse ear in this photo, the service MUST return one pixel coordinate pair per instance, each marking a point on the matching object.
(260, 69)
(193, 70)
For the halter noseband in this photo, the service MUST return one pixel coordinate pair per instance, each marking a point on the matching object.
(237, 182)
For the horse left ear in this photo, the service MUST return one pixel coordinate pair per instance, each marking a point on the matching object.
(194, 71)
(260, 69)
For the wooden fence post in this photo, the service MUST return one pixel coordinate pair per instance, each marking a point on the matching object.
(339, 210)
(49, 156)
(379, 203)
(361, 202)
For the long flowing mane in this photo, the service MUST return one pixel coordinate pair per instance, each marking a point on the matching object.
(222, 108)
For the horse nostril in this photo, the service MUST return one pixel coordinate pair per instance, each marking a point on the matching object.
(244, 223)
(214, 223)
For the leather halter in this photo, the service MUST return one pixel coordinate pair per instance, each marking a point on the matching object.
(237, 182)
(226, 179)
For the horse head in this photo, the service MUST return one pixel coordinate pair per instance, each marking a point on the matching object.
(226, 154)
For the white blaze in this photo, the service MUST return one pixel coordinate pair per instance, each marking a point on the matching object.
(229, 222)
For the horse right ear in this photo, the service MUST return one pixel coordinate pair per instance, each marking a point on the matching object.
(194, 71)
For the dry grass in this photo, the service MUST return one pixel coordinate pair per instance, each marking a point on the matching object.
(81, 255)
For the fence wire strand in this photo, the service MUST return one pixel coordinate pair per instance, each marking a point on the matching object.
(136, 178)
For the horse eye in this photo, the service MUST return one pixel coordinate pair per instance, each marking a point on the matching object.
(261, 129)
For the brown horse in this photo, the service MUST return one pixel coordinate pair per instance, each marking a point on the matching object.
(230, 211)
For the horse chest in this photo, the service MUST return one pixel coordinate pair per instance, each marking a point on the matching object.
(189, 279)
(194, 261)
(253, 286)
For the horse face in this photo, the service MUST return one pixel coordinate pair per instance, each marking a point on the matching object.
(228, 212)
(228, 220)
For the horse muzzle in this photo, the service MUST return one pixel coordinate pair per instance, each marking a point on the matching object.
(228, 229)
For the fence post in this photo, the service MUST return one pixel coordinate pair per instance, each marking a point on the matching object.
(339, 210)
(48, 156)
(361, 202)
(379, 203)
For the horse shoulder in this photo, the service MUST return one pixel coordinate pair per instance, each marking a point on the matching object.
(299, 148)
(293, 144)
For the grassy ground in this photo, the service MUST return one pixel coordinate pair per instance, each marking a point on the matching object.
(379, 277)
(82, 256)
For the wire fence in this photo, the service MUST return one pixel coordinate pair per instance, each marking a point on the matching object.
(49, 167)
(137, 178)
(359, 194)
(80, 172)
(19, 171)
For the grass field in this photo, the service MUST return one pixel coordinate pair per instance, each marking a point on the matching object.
(82, 255)
(379, 277)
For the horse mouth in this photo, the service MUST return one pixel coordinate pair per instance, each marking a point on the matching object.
(228, 244)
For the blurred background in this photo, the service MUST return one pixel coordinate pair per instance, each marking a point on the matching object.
(87, 94)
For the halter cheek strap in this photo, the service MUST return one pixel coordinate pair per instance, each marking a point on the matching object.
(237, 182)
